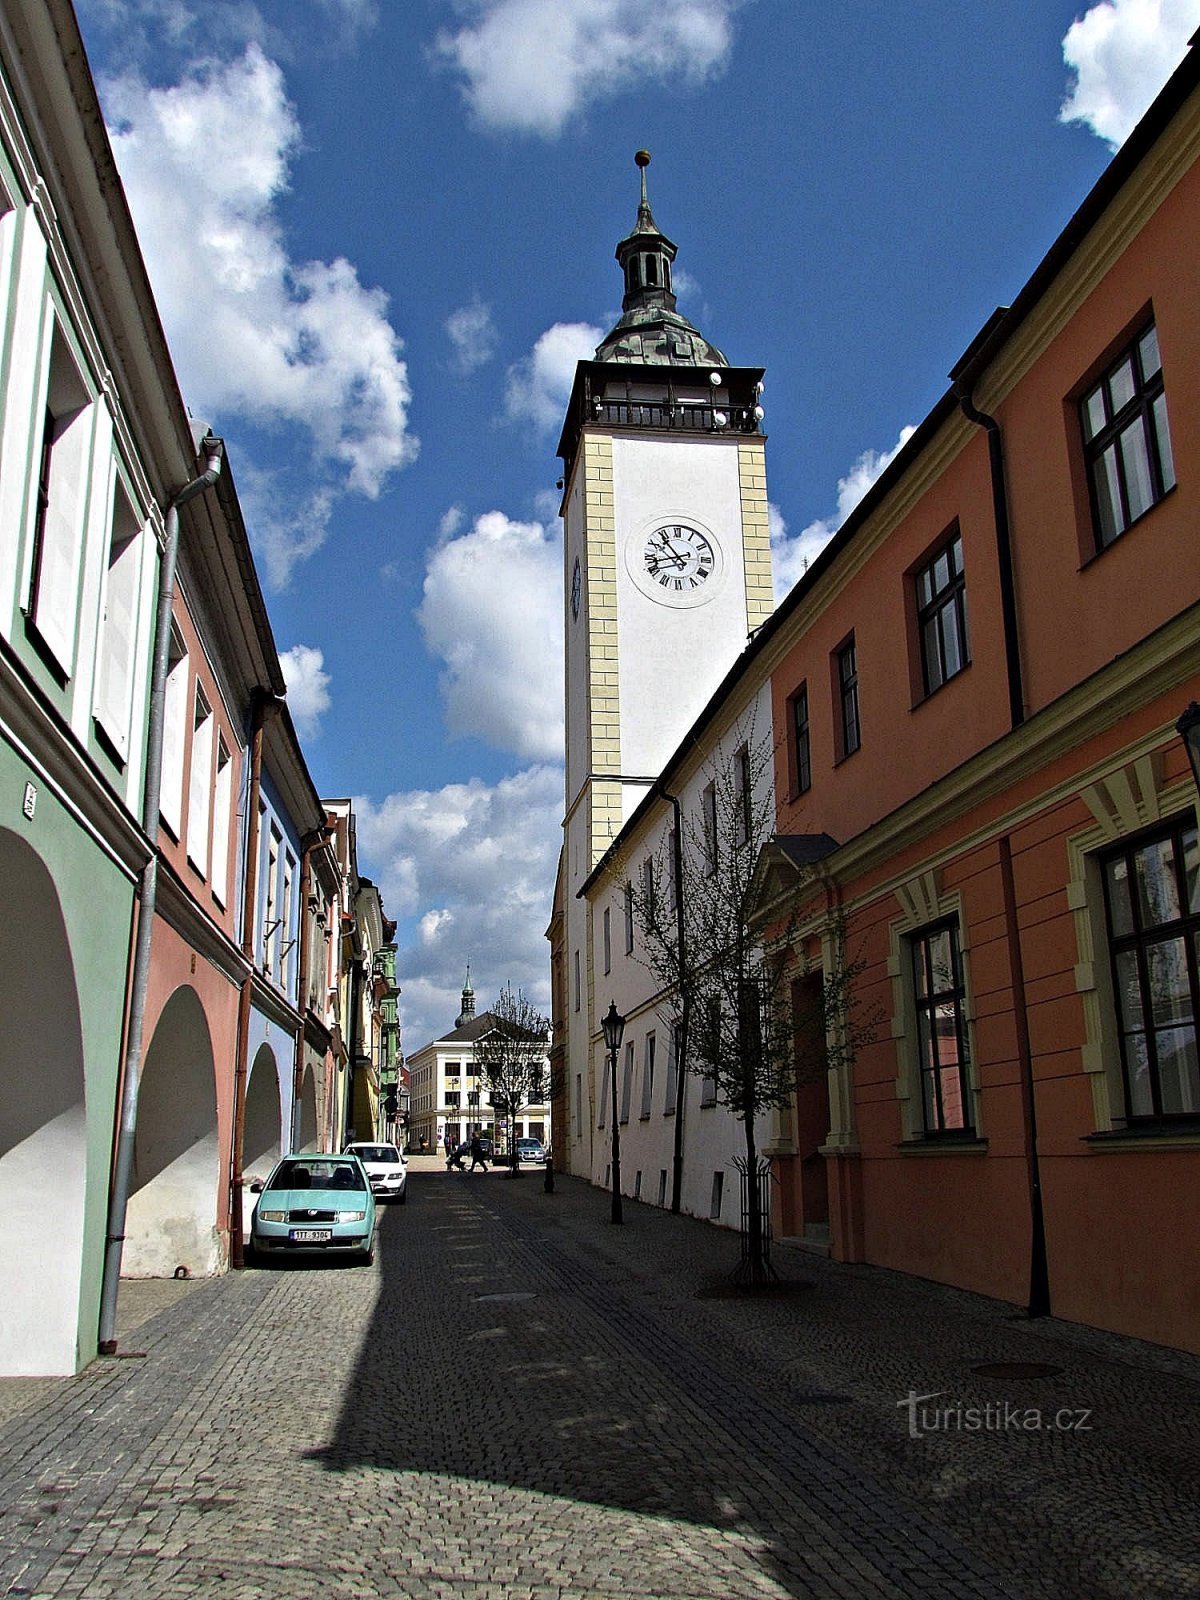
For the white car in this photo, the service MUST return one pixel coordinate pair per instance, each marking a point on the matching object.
(530, 1150)
(386, 1169)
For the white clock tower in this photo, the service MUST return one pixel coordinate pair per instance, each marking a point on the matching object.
(668, 564)
(667, 573)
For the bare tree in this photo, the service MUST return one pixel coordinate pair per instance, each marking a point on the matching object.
(511, 1056)
(726, 973)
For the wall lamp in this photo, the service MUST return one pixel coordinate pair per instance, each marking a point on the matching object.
(1188, 728)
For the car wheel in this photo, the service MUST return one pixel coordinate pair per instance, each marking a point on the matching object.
(368, 1255)
(402, 1197)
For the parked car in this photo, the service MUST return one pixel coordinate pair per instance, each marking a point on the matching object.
(488, 1147)
(386, 1169)
(530, 1150)
(319, 1204)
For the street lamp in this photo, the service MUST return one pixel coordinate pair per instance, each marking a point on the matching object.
(614, 1028)
(1188, 728)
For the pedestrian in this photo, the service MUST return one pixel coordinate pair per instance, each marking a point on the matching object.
(478, 1159)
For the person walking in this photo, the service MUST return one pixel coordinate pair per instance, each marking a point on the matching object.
(454, 1157)
(478, 1159)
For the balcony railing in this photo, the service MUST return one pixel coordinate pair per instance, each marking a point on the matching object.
(681, 415)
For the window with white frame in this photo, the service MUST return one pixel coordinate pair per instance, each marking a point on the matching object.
(648, 1077)
(286, 912)
(222, 815)
(1152, 910)
(672, 1073)
(605, 1092)
(52, 601)
(118, 626)
(627, 1081)
(271, 914)
(175, 712)
(939, 1001)
(200, 781)
(1126, 441)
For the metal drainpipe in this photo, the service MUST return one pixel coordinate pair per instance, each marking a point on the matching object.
(1008, 591)
(262, 702)
(118, 1204)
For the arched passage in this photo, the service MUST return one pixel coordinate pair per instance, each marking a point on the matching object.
(308, 1112)
(43, 1143)
(261, 1142)
(172, 1217)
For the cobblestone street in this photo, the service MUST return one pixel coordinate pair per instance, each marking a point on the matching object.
(521, 1400)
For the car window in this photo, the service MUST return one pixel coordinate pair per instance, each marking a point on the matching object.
(317, 1174)
(385, 1153)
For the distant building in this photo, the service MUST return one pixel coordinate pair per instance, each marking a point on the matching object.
(449, 1098)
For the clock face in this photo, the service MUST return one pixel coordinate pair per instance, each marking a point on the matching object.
(576, 589)
(678, 558)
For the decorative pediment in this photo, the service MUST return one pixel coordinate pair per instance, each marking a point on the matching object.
(787, 863)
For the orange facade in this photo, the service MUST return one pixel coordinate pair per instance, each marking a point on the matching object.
(1017, 857)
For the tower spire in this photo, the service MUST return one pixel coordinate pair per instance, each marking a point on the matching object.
(650, 329)
(467, 1014)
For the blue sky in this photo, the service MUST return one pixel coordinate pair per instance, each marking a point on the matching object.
(381, 234)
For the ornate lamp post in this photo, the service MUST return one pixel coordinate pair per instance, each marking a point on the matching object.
(614, 1028)
(1188, 728)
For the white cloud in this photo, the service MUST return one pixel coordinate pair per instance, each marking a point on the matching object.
(469, 869)
(791, 557)
(473, 335)
(539, 386)
(307, 687)
(1121, 52)
(492, 613)
(254, 333)
(531, 65)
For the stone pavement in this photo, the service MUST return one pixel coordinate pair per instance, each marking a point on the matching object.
(521, 1400)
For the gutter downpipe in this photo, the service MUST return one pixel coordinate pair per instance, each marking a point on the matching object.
(1008, 593)
(685, 1004)
(118, 1204)
(262, 701)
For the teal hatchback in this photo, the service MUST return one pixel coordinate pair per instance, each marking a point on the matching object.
(315, 1204)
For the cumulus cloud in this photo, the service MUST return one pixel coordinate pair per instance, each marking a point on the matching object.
(473, 334)
(469, 871)
(307, 687)
(539, 386)
(531, 65)
(1121, 52)
(492, 613)
(792, 555)
(253, 332)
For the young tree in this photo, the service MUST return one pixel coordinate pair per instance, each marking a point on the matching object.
(511, 1056)
(726, 972)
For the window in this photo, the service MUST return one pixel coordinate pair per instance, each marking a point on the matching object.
(271, 920)
(200, 782)
(942, 615)
(222, 807)
(939, 992)
(741, 795)
(672, 1072)
(718, 1195)
(801, 749)
(662, 1186)
(53, 595)
(1152, 901)
(170, 804)
(579, 1105)
(710, 1050)
(286, 940)
(847, 689)
(577, 983)
(627, 1081)
(453, 1099)
(607, 939)
(1126, 442)
(605, 1092)
(708, 807)
(628, 897)
(115, 664)
(648, 1077)
(650, 891)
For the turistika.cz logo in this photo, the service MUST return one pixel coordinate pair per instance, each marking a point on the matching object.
(994, 1416)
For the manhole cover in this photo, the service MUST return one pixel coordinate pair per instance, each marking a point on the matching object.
(490, 1298)
(1017, 1369)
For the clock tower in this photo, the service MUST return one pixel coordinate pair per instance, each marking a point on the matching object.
(668, 565)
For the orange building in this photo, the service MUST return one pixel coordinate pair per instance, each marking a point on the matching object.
(975, 691)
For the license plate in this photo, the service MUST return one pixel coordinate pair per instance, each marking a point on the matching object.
(310, 1235)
